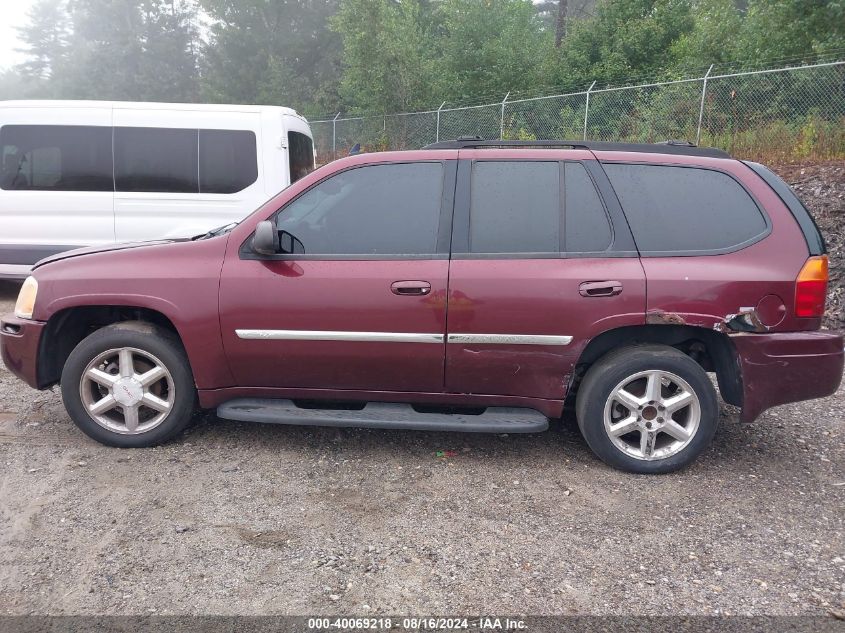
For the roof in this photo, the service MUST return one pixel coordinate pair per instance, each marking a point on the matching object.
(147, 105)
(669, 147)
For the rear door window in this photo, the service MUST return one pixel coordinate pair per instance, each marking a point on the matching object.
(535, 208)
(56, 158)
(515, 207)
(686, 209)
(156, 159)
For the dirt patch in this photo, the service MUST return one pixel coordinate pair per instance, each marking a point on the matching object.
(821, 187)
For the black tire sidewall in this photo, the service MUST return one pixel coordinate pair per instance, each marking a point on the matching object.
(606, 374)
(147, 337)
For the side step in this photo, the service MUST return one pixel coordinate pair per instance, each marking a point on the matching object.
(381, 415)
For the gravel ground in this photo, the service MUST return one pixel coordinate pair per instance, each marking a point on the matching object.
(250, 519)
(241, 518)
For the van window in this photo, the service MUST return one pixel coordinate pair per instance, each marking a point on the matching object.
(373, 210)
(301, 151)
(227, 160)
(515, 207)
(685, 209)
(587, 228)
(56, 158)
(156, 159)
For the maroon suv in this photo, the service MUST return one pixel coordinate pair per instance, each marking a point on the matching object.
(471, 286)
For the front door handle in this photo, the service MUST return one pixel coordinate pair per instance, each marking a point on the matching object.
(600, 288)
(410, 288)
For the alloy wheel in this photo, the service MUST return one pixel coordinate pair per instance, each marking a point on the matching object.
(127, 390)
(652, 415)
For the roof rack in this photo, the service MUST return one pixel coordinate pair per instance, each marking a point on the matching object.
(666, 147)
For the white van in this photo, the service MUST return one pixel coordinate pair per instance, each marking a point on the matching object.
(84, 173)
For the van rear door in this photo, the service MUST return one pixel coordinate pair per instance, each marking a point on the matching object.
(56, 189)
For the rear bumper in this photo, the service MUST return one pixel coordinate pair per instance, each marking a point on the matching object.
(789, 367)
(19, 340)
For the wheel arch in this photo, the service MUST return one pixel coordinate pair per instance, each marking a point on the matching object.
(713, 350)
(66, 329)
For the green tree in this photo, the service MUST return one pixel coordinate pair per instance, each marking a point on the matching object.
(777, 29)
(626, 38)
(387, 63)
(44, 39)
(112, 49)
(275, 52)
(714, 39)
(168, 69)
(488, 48)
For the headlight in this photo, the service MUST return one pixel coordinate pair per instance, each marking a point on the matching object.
(26, 299)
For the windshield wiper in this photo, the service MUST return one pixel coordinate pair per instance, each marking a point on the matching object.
(220, 230)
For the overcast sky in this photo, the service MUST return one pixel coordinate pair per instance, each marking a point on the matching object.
(13, 14)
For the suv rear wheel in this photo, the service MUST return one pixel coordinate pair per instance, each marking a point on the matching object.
(647, 409)
(129, 385)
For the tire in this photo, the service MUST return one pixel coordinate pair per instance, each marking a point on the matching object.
(635, 434)
(143, 369)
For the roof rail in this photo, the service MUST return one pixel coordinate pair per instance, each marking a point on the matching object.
(666, 147)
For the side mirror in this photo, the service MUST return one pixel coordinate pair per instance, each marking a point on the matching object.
(290, 244)
(266, 239)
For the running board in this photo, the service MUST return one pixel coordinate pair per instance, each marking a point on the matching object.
(381, 415)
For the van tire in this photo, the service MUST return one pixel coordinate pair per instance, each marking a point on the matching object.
(668, 423)
(147, 407)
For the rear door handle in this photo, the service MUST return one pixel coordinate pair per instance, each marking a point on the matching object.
(410, 288)
(600, 288)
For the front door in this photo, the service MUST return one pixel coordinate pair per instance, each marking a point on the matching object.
(359, 303)
(538, 269)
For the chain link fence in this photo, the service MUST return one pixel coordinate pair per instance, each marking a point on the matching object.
(773, 115)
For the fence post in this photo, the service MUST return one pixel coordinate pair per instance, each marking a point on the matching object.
(701, 109)
(437, 132)
(334, 136)
(587, 108)
(502, 125)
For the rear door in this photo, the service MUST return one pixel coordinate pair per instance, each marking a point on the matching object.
(541, 263)
(359, 301)
(182, 172)
(56, 188)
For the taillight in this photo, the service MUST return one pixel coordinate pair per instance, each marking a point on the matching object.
(811, 288)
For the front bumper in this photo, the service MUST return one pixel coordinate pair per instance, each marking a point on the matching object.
(788, 367)
(19, 341)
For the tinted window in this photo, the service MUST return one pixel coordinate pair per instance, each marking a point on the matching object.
(586, 226)
(374, 210)
(515, 207)
(155, 159)
(301, 150)
(673, 209)
(56, 158)
(228, 162)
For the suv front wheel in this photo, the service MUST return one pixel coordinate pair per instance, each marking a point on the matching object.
(129, 385)
(647, 409)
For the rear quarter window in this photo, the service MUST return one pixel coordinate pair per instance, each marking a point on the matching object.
(687, 210)
(227, 160)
